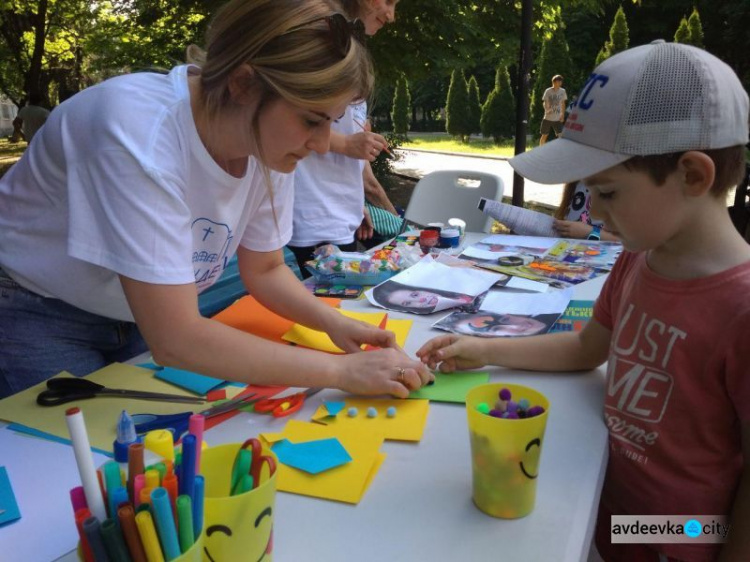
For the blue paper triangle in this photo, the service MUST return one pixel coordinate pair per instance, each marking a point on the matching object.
(312, 456)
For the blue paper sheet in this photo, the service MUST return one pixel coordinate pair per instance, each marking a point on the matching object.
(26, 430)
(8, 507)
(199, 384)
(334, 407)
(312, 456)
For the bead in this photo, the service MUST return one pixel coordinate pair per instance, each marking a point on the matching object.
(371, 412)
(352, 412)
(505, 394)
(391, 412)
(483, 408)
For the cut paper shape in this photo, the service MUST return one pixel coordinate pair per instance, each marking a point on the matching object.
(334, 407)
(400, 328)
(313, 339)
(8, 507)
(407, 425)
(248, 315)
(313, 457)
(349, 482)
(194, 382)
(451, 387)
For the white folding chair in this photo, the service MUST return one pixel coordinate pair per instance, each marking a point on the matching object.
(447, 194)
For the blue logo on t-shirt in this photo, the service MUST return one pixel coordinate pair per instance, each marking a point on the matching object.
(693, 528)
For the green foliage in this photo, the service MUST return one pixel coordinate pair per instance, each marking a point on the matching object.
(619, 38)
(682, 35)
(499, 110)
(555, 59)
(457, 116)
(475, 106)
(401, 107)
(696, 29)
(382, 167)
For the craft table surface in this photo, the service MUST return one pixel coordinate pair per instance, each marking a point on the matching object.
(419, 505)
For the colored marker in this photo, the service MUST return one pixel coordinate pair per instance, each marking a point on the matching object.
(200, 486)
(187, 467)
(185, 522)
(152, 478)
(146, 529)
(112, 480)
(85, 462)
(126, 516)
(113, 541)
(195, 427)
(135, 465)
(165, 523)
(92, 528)
(78, 498)
(117, 497)
(81, 516)
(138, 484)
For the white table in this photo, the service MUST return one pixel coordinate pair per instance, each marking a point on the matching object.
(419, 505)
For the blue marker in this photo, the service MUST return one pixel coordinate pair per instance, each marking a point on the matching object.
(165, 526)
(187, 467)
(125, 436)
(198, 504)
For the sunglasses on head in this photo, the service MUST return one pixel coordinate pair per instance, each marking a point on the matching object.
(341, 31)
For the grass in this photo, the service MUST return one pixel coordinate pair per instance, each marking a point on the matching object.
(445, 143)
(9, 154)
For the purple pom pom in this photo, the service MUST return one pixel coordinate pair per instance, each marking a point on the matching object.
(512, 406)
(535, 411)
(496, 413)
(505, 394)
(512, 415)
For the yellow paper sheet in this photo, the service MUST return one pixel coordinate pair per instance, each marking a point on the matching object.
(100, 413)
(347, 483)
(407, 425)
(400, 328)
(314, 339)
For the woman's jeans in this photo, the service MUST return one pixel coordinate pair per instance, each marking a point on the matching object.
(39, 337)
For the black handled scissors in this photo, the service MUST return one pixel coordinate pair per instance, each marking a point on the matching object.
(64, 390)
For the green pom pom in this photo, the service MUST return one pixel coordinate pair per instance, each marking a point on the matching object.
(483, 407)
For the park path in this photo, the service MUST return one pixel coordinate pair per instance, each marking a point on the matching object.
(416, 164)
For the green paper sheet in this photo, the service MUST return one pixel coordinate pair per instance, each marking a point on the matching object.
(451, 387)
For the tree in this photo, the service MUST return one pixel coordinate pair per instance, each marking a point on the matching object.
(475, 106)
(696, 29)
(619, 38)
(457, 107)
(498, 112)
(401, 107)
(682, 35)
(554, 59)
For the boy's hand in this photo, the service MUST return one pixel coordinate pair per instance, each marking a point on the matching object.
(453, 353)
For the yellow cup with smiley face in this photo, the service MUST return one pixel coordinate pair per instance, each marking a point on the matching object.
(505, 453)
(235, 527)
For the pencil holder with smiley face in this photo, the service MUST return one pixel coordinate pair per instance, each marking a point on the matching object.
(238, 523)
(505, 450)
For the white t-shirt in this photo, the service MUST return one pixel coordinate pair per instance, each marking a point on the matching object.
(119, 182)
(555, 100)
(329, 190)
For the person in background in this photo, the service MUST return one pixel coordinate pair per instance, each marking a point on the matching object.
(137, 192)
(573, 216)
(30, 118)
(330, 189)
(673, 319)
(553, 100)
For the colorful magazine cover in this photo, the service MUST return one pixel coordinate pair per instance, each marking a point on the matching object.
(575, 317)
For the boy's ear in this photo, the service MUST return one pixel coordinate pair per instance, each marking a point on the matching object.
(240, 84)
(697, 173)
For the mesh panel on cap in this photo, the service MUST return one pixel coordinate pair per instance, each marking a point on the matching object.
(667, 107)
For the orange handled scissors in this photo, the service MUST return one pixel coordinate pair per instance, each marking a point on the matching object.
(280, 407)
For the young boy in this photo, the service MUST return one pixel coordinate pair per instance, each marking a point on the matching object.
(657, 135)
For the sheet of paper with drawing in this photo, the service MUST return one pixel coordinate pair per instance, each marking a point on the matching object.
(519, 220)
(430, 286)
(504, 314)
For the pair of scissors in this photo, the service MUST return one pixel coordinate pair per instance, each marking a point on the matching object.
(280, 407)
(179, 423)
(71, 389)
(250, 466)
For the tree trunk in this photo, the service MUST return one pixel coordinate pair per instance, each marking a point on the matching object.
(33, 82)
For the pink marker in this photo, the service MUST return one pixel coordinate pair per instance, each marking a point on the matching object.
(139, 482)
(78, 498)
(195, 427)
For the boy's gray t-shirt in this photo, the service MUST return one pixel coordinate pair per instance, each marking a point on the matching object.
(553, 103)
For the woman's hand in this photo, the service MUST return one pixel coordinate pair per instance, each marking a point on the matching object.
(349, 334)
(453, 352)
(572, 229)
(383, 371)
(364, 145)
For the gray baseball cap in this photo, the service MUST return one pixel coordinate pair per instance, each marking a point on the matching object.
(653, 99)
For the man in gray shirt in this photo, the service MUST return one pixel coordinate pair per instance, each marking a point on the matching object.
(30, 118)
(554, 99)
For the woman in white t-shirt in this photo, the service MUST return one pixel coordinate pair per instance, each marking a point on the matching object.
(329, 202)
(137, 192)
